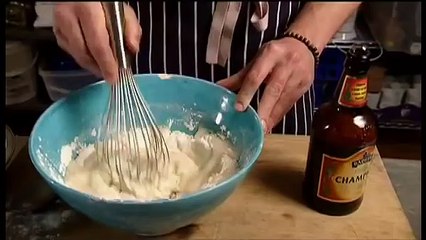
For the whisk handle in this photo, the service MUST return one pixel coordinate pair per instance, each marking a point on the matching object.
(115, 21)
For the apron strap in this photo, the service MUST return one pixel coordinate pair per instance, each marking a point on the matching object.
(222, 28)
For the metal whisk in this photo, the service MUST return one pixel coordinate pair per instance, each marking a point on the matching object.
(129, 139)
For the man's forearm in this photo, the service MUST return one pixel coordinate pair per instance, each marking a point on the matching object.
(319, 21)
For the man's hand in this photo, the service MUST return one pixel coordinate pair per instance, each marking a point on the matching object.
(80, 29)
(287, 68)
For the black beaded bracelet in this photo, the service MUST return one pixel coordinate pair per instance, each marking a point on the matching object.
(307, 42)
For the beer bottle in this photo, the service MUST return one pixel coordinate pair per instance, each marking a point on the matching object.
(342, 142)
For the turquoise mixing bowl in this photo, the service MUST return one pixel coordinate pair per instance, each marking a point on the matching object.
(177, 97)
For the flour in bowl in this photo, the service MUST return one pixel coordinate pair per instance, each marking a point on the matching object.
(196, 162)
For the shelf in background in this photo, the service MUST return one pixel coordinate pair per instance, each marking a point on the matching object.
(22, 117)
(30, 35)
(411, 126)
(34, 104)
(346, 44)
(400, 126)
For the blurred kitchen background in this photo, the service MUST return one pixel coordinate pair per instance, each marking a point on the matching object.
(39, 73)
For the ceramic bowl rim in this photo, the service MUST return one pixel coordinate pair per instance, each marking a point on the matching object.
(194, 195)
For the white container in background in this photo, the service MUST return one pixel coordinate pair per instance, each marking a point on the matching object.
(373, 100)
(60, 83)
(414, 97)
(19, 56)
(391, 97)
(388, 81)
(414, 94)
(417, 81)
(347, 31)
(21, 73)
(44, 11)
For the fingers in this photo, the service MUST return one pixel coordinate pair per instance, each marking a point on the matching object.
(234, 82)
(92, 21)
(133, 30)
(273, 91)
(80, 30)
(292, 92)
(70, 38)
(253, 78)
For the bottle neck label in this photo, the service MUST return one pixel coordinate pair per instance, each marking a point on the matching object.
(353, 93)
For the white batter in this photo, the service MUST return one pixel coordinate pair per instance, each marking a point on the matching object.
(196, 162)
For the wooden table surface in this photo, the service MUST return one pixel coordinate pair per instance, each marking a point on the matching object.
(269, 205)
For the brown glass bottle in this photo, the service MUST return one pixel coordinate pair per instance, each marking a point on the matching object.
(342, 142)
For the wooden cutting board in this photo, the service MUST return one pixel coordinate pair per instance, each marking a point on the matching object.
(269, 205)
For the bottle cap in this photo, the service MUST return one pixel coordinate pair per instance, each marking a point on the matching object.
(359, 52)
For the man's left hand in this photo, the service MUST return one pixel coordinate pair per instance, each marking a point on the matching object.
(287, 68)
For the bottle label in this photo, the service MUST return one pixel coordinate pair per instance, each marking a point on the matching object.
(344, 179)
(354, 92)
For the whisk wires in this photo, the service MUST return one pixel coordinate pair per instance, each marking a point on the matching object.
(133, 146)
(131, 143)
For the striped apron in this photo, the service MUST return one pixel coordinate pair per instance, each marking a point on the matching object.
(176, 35)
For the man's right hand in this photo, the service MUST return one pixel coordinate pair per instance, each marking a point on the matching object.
(80, 29)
